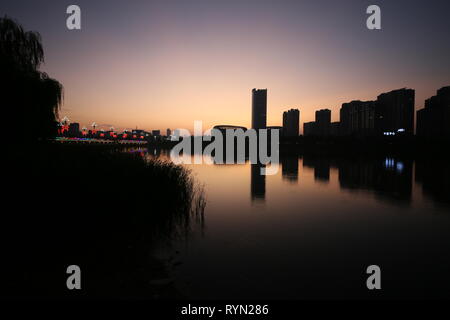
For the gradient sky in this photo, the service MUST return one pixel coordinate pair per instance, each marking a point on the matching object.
(163, 64)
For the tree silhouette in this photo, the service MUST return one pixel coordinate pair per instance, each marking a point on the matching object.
(29, 99)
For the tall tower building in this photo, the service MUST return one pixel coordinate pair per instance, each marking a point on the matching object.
(259, 108)
(291, 120)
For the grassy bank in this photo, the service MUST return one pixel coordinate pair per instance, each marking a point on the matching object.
(96, 207)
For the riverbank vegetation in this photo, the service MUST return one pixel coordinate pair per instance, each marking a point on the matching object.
(97, 207)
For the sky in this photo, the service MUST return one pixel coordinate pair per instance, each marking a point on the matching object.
(164, 64)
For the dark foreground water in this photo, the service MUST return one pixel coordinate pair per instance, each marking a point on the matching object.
(311, 230)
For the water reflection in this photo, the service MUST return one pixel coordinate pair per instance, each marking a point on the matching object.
(257, 183)
(320, 165)
(289, 167)
(434, 176)
(389, 178)
(321, 222)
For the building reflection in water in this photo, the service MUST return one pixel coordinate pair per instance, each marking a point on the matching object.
(434, 175)
(321, 166)
(389, 178)
(289, 168)
(257, 183)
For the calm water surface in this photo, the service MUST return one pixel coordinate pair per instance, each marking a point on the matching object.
(311, 230)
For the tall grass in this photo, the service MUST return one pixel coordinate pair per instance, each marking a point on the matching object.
(97, 207)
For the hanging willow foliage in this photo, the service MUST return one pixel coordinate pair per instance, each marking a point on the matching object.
(28, 93)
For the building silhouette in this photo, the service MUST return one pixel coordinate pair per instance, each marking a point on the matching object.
(224, 127)
(257, 183)
(321, 127)
(323, 121)
(309, 128)
(434, 119)
(232, 130)
(291, 121)
(357, 118)
(335, 129)
(394, 112)
(259, 108)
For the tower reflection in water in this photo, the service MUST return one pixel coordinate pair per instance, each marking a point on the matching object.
(257, 183)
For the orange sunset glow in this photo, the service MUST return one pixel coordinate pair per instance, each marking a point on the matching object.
(163, 65)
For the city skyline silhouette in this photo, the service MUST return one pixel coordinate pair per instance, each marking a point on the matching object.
(163, 70)
(327, 160)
